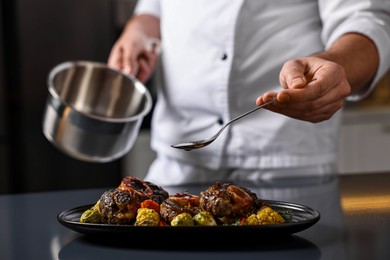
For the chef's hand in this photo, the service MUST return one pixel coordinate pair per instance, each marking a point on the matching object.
(135, 52)
(314, 89)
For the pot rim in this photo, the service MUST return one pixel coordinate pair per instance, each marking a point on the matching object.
(137, 84)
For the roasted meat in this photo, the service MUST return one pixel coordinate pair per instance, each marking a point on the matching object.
(159, 194)
(119, 206)
(179, 203)
(143, 190)
(142, 203)
(228, 202)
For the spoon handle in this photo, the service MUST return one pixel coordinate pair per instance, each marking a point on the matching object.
(249, 112)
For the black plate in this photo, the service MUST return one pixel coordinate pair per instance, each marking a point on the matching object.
(302, 217)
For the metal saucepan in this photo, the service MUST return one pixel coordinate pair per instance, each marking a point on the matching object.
(93, 113)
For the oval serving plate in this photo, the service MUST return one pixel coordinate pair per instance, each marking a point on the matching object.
(301, 218)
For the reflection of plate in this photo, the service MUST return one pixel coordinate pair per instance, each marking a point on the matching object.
(302, 217)
(289, 247)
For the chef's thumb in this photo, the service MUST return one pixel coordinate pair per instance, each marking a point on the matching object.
(292, 75)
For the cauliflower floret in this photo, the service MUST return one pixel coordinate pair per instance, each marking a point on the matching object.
(147, 217)
(252, 220)
(265, 215)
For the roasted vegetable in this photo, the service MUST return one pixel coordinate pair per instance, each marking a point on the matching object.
(92, 215)
(183, 219)
(204, 218)
(252, 220)
(147, 217)
(265, 215)
(150, 204)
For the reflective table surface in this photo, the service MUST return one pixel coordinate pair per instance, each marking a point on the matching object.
(354, 224)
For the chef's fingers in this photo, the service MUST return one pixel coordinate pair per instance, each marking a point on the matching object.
(322, 76)
(303, 106)
(115, 59)
(266, 97)
(310, 97)
(322, 89)
(292, 74)
(315, 110)
(314, 116)
(140, 58)
(123, 57)
(130, 59)
(147, 64)
(306, 100)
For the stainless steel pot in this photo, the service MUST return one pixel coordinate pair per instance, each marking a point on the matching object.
(93, 113)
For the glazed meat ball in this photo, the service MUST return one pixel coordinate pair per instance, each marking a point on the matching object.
(118, 207)
(228, 202)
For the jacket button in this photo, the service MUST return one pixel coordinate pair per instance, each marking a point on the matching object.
(224, 56)
(220, 121)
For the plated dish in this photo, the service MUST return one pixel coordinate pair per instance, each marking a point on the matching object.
(302, 217)
(138, 208)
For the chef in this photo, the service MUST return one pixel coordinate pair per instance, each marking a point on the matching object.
(220, 59)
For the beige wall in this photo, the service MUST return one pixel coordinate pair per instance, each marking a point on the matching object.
(380, 97)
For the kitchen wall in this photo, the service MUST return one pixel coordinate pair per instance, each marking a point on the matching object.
(3, 128)
(365, 135)
(36, 36)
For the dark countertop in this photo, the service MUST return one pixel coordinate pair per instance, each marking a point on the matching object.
(354, 224)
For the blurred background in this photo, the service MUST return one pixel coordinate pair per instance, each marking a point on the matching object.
(37, 35)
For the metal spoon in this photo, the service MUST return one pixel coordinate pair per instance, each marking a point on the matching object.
(188, 146)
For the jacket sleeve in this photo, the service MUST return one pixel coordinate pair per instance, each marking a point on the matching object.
(368, 17)
(151, 7)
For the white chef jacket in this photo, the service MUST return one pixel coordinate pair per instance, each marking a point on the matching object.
(218, 56)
